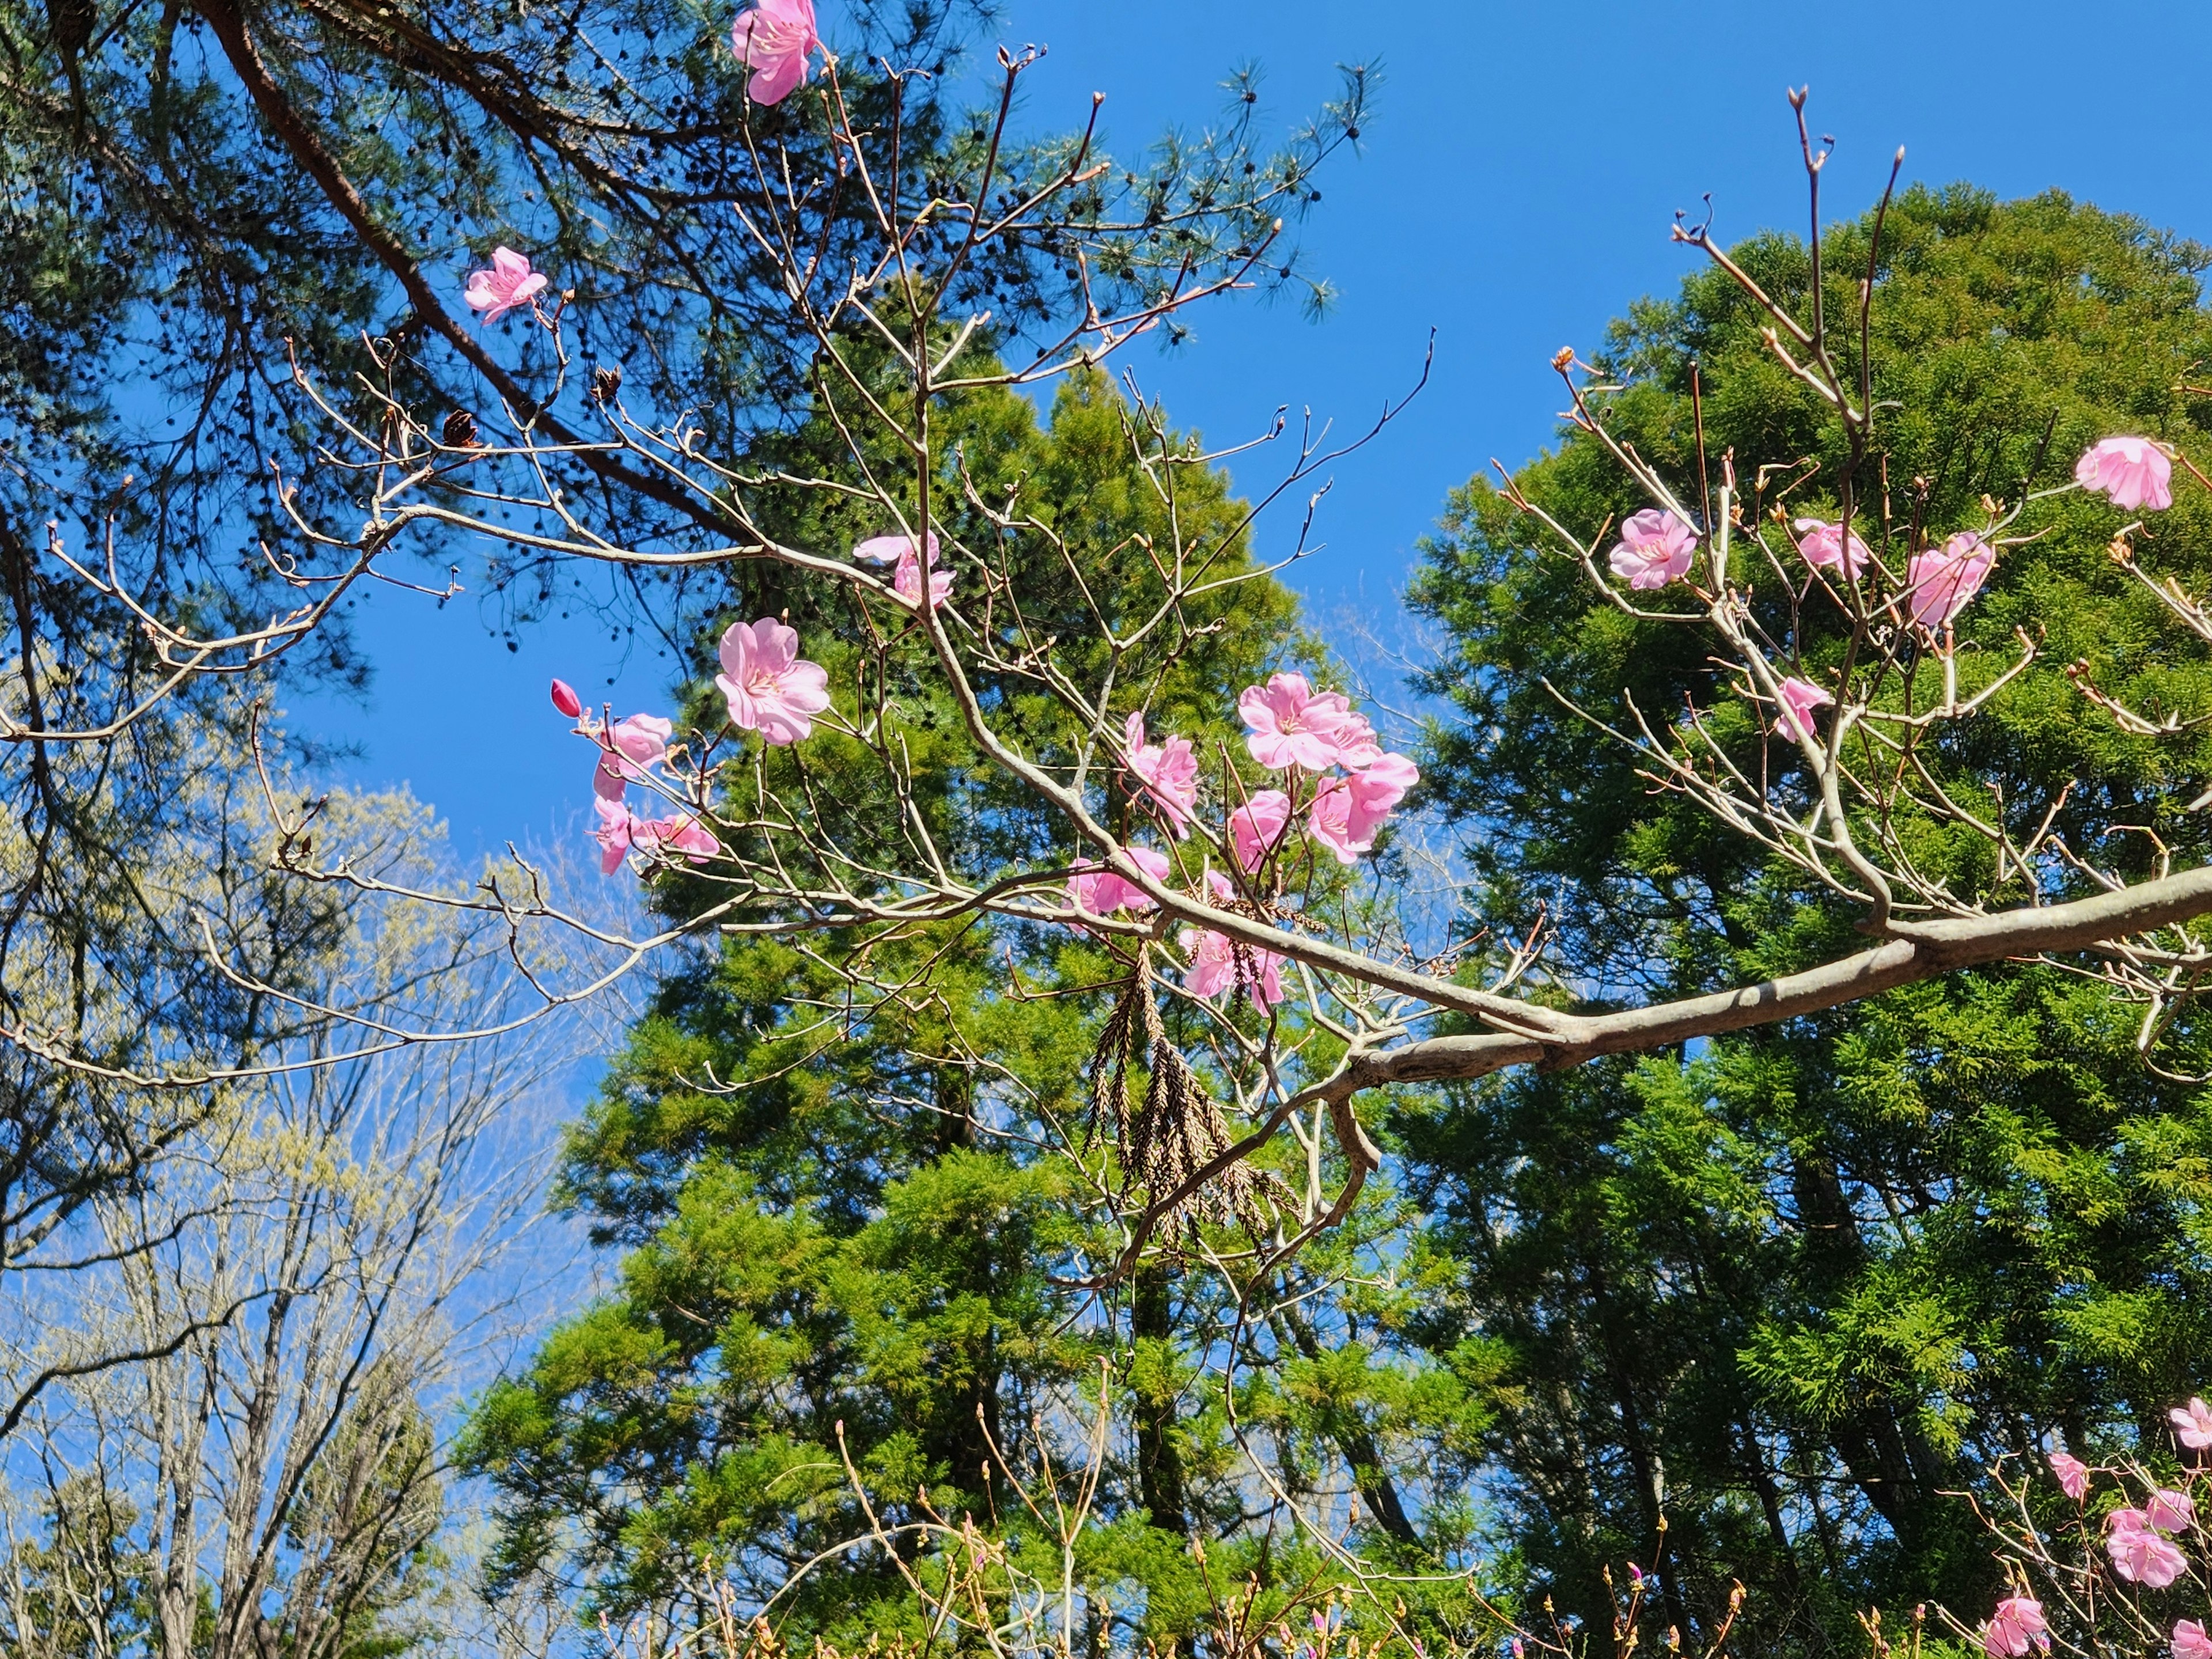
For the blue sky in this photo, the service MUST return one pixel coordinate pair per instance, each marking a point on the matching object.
(1514, 191)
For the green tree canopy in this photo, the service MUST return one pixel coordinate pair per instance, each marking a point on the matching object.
(1792, 1287)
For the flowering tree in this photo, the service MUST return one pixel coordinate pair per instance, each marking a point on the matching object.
(2118, 1566)
(1213, 879)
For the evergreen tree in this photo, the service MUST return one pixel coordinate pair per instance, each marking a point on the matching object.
(1795, 1289)
(869, 1230)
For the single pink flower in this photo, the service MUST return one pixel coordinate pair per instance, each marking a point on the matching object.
(2140, 1554)
(1376, 788)
(882, 550)
(1100, 892)
(613, 833)
(1170, 771)
(1214, 969)
(2073, 1474)
(1799, 699)
(2170, 1510)
(1257, 828)
(773, 40)
(1336, 822)
(1358, 748)
(678, 833)
(1939, 583)
(2014, 1628)
(1289, 724)
(770, 688)
(906, 580)
(508, 285)
(565, 700)
(1827, 544)
(636, 742)
(2134, 471)
(1654, 549)
(2192, 1424)
(2189, 1641)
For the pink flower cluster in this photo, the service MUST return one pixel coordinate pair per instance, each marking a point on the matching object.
(1656, 546)
(769, 690)
(2137, 1540)
(1218, 964)
(1321, 743)
(628, 749)
(1290, 727)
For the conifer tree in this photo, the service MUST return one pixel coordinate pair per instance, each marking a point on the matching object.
(1795, 1288)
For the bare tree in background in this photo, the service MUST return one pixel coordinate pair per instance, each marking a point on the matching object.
(305, 1285)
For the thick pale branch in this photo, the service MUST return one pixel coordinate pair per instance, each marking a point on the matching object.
(1925, 950)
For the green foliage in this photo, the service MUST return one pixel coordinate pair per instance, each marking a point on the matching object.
(1796, 1286)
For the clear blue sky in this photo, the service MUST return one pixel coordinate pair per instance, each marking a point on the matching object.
(1515, 192)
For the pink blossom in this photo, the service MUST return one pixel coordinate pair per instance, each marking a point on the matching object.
(565, 700)
(1337, 823)
(1654, 549)
(2170, 1510)
(2073, 1474)
(2016, 1625)
(2134, 471)
(773, 40)
(1170, 771)
(636, 742)
(2189, 1641)
(1827, 544)
(2193, 1424)
(906, 580)
(770, 688)
(1799, 699)
(2140, 1553)
(678, 833)
(613, 833)
(1288, 723)
(1357, 746)
(1939, 583)
(1375, 789)
(1255, 829)
(1100, 892)
(509, 284)
(882, 550)
(1213, 967)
